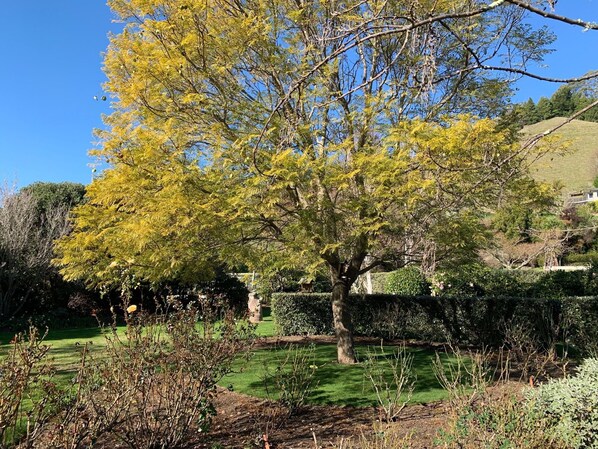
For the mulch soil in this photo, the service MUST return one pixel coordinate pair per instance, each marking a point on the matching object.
(247, 422)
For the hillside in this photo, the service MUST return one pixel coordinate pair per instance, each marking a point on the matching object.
(576, 169)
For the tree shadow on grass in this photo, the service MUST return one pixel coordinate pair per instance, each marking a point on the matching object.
(339, 384)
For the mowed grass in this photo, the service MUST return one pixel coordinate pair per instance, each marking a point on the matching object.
(336, 384)
(66, 344)
(578, 167)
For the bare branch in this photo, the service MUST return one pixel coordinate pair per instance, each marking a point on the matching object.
(549, 15)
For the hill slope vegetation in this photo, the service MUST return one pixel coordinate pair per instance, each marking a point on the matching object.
(578, 167)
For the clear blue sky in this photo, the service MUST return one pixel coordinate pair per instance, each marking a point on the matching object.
(50, 70)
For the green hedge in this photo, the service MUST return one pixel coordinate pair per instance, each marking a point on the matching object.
(464, 320)
(481, 281)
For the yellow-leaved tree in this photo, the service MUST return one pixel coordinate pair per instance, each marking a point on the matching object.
(328, 134)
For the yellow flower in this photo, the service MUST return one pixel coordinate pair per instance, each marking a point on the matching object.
(131, 308)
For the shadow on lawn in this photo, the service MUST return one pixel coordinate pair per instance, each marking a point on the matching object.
(340, 384)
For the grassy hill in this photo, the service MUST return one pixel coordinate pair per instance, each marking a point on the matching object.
(576, 169)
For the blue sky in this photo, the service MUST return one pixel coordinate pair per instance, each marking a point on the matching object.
(50, 70)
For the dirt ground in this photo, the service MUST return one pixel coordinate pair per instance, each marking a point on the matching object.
(245, 422)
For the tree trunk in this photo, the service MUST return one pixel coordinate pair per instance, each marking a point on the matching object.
(343, 325)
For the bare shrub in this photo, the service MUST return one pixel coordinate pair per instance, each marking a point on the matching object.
(28, 394)
(291, 381)
(381, 437)
(391, 378)
(465, 376)
(152, 386)
(503, 422)
(480, 416)
(533, 358)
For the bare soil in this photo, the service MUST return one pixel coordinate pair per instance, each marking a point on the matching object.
(247, 422)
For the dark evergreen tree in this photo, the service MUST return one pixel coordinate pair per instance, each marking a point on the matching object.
(562, 102)
(544, 108)
(529, 112)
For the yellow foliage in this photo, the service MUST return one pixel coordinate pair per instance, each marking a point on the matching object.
(242, 132)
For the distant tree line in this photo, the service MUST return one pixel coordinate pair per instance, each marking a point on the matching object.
(30, 220)
(566, 101)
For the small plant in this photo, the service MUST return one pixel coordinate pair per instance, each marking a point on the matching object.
(504, 422)
(292, 380)
(466, 377)
(381, 437)
(481, 417)
(391, 378)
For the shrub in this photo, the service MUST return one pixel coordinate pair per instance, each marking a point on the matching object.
(302, 313)
(591, 279)
(394, 392)
(581, 258)
(558, 284)
(477, 280)
(292, 380)
(28, 394)
(481, 418)
(289, 280)
(380, 437)
(480, 281)
(500, 423)
(580, 324)
(151, 387)
(409, 281)
(225, 291)
(571, 405)
(469, 320)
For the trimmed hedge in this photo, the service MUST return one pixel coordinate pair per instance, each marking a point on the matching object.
(463, 320)
(479, 280)
(302, 313)
(482, 281)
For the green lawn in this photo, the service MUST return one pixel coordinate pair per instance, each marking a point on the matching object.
(66, 344)
(336, 384)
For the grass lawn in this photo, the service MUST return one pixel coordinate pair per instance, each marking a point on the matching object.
(335, 384)
(66, 344)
